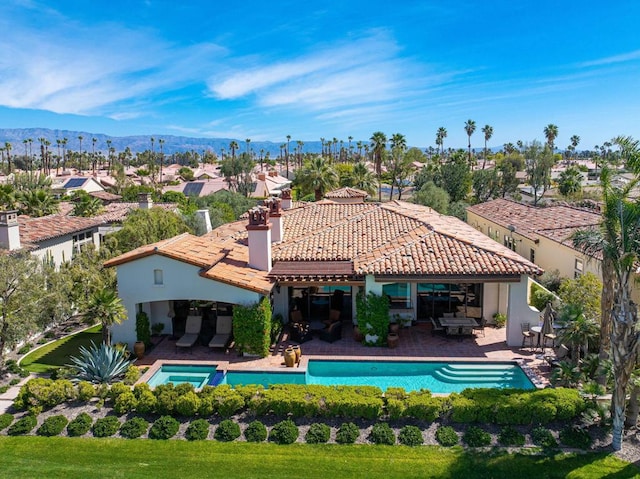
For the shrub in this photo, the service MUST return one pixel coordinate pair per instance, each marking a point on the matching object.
(188, 404)
(143, 328)
(134, 428)
(249, 325)
(25, 349)
(166, 398)
(125, 402)
(255, 432)
(577, 437)
(146, 402)
(24, 425)
(132, 375)
(80, 425)
(165, 427)
(227, 431)
(141, 388)
(422, 405)
(198, 430)
(44, 393)
(284, 432)
(14, 381)
(100, 364)
(52, 426)
(509, 436)
(318, 433)
(4, 389)
(476, 437)
(348, 433)
(116, 389)
(542, 437)
(381, 433)
(86, 391)
(5, 420)
(410, 436)
(447, 436)
(105, 426)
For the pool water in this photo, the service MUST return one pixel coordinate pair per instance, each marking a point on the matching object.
(437, 377)
(198, 376)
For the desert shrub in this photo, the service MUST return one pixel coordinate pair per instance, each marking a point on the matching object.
(24, 425)
(411, 436)
(447, 436)
(44, 393)
(132, 375)
(166, 398)
(463, 410)
(165, 427)
(141, 388)
(80, 425)
(125, 402)
(577, 437)
(198, 430)
(542, 437)
(5, 420)
(146, 402)
(85, 391)
(348, 433)
(255, 432)
(116, 389)
(52, 426)
(422, 405)
(25, 349)
(4, 389)
(381, 433)
(227, 431)
(509, 436)
(184, 388)
(14, 381)
(284, 432)
(188, 404)
(247, 392)
(318, 433)
(476, 437)
(134, 428)
(105, 426)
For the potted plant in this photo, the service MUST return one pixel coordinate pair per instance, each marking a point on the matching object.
(500, 320)
(156, 328)
(143, 334)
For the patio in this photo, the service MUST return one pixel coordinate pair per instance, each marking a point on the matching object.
(416, 342)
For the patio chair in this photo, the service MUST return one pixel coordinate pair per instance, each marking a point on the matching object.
(334, 315)
(527, 334)
(224, 326)
(331, 333)
(436, 327)
(295, 316)
(552, 336)
(192, 331)
(481, 325)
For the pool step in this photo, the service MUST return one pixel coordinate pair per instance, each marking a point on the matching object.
(453, 373)
(476, 373)
(216, 379)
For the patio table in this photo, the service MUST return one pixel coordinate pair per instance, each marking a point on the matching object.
(458, 325)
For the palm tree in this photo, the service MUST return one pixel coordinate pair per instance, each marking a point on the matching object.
(398, 141)
(470, 128)
(106, 308)
(617, 241)
(318, 175)
(80, 138)
(287, 157)
(233, 146)
(38, 203)
(363, 179)
(64, 151)
(551, 133)
(575, 140)
(441, 134)
(570, 182)
(93, 154)
(488, 133)
(8, 148)
(379, 143)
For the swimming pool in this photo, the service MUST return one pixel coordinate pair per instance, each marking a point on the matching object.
(438, 377)
(198, 376)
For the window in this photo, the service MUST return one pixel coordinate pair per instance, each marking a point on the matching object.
(532, 255)
(158, 279)
(81, 239)
(509, 242)
(399, 295)
(578, 268)
(490, 232)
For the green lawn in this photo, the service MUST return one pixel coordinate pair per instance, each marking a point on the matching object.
(33, 456)
(56, 354)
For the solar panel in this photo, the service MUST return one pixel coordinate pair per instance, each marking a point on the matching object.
(193, 189)
(75, 183)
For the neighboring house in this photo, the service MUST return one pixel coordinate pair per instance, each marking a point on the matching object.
(69, 185)
(428, 264)
(347, 195)
(53, 238)
(541, 234)
(269, 184)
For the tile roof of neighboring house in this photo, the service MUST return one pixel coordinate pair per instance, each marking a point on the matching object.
(207, 186)
(331, 241)
(557, 222)
(346, 192)
(116, 212)
(37, 230)
(105, 196)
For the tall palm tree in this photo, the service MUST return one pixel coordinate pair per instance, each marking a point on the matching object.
(379, 144)
(233, 146)
(551, 133)
(64, 151)
(575, 140)
(38, 203)
(106, 308)
(470, 128)
(287, 157)
(80, 138)
(161, 143)
(398, 140)
(8, 148)
(93, 154)
(441, 134)
(319, 175)
(617, 240)
(488, 133)
(363, 179)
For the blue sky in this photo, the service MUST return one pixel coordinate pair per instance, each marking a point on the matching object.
(264, 70)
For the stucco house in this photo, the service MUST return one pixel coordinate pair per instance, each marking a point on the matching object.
(427, 263)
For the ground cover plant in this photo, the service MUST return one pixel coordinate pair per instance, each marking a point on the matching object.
(72, 458)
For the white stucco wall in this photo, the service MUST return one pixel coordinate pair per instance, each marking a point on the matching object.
(60, 249)
(180, 281)
(519, 311)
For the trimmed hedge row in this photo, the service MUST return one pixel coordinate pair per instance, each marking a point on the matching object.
(495, 406)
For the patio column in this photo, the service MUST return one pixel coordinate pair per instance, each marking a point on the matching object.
(519, 311)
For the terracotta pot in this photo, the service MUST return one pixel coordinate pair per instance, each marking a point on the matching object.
(394, 328)
(138, 349)
(392, 340)
(289, 357)
(357, 334)
(298, 350)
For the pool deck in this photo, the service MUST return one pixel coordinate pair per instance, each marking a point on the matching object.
(416, 343)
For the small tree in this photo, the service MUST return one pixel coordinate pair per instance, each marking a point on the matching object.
(252, 327)
(372, 312)
(106, 308)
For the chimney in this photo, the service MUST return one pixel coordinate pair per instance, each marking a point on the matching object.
(275, 218)
(9, 230)
(259, 230)
(285, 195)
(262, 176)
(273, 173)
(144, 201)
(206, 219)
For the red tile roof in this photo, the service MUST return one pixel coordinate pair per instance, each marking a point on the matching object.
(346, 192)
(37, 230)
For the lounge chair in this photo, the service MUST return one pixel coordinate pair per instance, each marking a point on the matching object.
(192, 331)
(224, 326)
(331, 333)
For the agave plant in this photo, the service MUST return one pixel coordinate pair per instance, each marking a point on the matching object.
(100, 364)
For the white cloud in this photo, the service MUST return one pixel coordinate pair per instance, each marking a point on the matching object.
(624, 57)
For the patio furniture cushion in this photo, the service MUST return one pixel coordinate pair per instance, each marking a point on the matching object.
(332, 333)
(192, 331)
(224, 326)
(448, 315)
